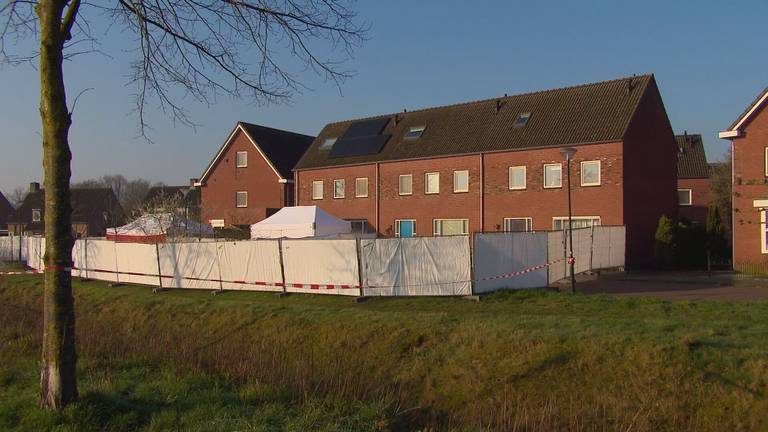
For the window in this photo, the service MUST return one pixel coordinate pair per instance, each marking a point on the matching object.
(684, 197)
(561, 223)
(317, 190)
(361, 187)
(406, 184)
(448, 227)
(328, 144)
(414, 132)
(518, 224)
(553, 175)
(360, 226)
(36, 215)
(522, 120)
(432, 183)
(517, 178)
(338, 188)
(461, 181)
(241, 199)
(405, 227)
(590, 173)
(763, 232)
(241, 160)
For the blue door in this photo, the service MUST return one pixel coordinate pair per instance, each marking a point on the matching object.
(406, 228)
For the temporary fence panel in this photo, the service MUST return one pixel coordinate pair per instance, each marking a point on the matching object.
(101, 260)
(321, 266)
(582, 250)
(7, 249)
(499, 256)
(78, 258)
(417, 266)
(250, 265)
(137, 263)
(189, 265)
(556, 255)
(35, 252)
(608, 247)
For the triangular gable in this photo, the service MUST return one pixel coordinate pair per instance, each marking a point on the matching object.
(736, 128)
(227, 144)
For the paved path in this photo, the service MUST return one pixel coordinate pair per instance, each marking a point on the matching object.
(674, 286)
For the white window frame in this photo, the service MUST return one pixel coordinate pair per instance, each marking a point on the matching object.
(238, 194)
(690, 197)
(439, 234)
(400, 184)
(343, 188)
(39, 214)
(599, 172)
(544, 173)
(426, 183)
(414, 129)
(763, 233)
(237, 159)
(525, 177)
(328, 143)
(528, 223)
(357, 187)
(397, 226)
(357, 221)
(575, 218)
(455, 189)
(314, 184)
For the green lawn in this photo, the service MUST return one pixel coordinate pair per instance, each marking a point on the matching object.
(528, 360)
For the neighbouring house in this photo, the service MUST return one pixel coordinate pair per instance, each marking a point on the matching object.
(496, 165)
(6, 209)
(749, 148)
(692, 179)
(251, 176)
(93, 211)
(185, 199)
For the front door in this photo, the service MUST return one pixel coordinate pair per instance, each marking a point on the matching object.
(406, 228)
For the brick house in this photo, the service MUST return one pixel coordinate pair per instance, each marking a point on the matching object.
(495, 165)
(749, 146)
(6, 209)
(251, 175)
(186, 198)
(93, 211)
(692, 179)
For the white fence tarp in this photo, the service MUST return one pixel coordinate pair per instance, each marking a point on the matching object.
(251, 262)
(78, 258)
(9, 248)
(101, 260)
(608, 247)
(499, 254)
(323, 263)
(416, 266)
(189, 265)
(137, 263)
(35, 252)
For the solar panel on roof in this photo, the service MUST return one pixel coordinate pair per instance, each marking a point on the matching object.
(366, 128)
(360, 146)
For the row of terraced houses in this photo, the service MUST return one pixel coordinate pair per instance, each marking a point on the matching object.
(488, 165)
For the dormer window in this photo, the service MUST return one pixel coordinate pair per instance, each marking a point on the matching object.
(328, 144)
(414, 132)
(522, 119)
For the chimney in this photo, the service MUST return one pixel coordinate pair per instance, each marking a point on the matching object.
(34, 187)
(192, 181)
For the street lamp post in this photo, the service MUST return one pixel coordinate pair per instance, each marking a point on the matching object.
(568, 153)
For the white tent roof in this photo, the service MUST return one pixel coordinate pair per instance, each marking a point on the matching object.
(160, 224)
(300, 222)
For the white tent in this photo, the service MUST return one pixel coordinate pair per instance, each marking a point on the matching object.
(152, 228)
(300, 222)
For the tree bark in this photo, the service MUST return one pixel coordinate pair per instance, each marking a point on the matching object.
(58, 381)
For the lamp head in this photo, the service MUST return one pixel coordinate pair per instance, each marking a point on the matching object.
(568, 152)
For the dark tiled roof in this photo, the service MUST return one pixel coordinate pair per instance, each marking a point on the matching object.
(691, 158)
(6, 209)
(189, 195)
(583, 114)
(283, 148)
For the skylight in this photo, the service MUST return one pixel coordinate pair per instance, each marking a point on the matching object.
(414, 132)
(522, 119)
(328, 144)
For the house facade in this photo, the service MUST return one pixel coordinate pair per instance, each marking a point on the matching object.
(692, 179)
(749, 146)
(251, 175)
(93, 211)
(496, 165)
(182, 200)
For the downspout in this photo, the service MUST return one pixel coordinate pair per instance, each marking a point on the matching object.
(378, 197)
(296, 176)
(733, 208)
(482, 195)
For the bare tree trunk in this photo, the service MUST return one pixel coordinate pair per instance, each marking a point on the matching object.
(58, 383)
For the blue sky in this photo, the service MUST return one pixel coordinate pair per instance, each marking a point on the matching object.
(707, 57)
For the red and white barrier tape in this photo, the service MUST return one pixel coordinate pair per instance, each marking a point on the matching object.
(522, 272)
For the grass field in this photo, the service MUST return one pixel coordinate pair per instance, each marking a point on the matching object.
(528, 360)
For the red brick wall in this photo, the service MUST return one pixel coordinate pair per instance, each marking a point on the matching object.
(225, 179)
(650, 176)
(542, 204)
(349, 207)
(697, 211)
(750, 183)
